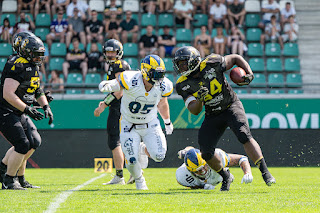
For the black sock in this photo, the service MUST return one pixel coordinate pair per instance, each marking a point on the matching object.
(261, 164)
(225, 174)
(119, 173)
(3, 167)
(21, 179)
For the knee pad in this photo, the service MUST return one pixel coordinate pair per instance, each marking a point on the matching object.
(113, 141)
(207, 156)
(22, 147)
(36, 142)
(159, 157)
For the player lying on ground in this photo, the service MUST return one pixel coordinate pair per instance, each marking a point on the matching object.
(196, 173)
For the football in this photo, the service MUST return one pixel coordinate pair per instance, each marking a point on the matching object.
(236, 75)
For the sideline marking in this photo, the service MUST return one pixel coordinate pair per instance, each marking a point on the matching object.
(64, 195)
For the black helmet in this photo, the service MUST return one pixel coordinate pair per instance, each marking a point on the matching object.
(112, 45)
(18, 38)
(186, 60)
(32, 48)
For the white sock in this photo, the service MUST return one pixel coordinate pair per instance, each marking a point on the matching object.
(135, 170)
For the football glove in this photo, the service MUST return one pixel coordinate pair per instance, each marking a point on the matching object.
(202, 93)
(48, 113)
(247, 178)
(169, 128)
(181, 154)
(49, 96)
(247, 80)
(208, 186)
(33, 113)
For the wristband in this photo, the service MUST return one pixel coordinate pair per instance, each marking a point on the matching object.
(187, 102)
(244, 158)
(45, 107)
(167, 121)
(109, 99)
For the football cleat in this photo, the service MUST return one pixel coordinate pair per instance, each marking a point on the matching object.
(143, 157)
(10, 184)
(26, 184)
(226, 184)
(268, 178)
(131, 180)
(116, 180)
(141, 184)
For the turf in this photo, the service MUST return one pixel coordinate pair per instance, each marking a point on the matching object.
(297, 190)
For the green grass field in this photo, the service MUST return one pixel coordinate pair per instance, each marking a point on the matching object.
(297, 190)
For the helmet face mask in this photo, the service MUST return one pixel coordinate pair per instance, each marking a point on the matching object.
(33, 50)
(115, 46)
(153, 69)
(186, 60)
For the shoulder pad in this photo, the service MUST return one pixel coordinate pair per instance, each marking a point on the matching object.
(184, 177)
(21, 60)
(181, 79)
(125, 65)
(129, 79)
(210, 59)
(167, 87)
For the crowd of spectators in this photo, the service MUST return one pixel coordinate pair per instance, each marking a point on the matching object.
(76, 25)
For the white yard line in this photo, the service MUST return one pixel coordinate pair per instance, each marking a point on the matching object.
(61, 198)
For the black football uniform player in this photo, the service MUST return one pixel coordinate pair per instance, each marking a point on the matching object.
(203, 83)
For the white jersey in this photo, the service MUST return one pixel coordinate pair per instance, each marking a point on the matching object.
(186, 178)
(137, 105)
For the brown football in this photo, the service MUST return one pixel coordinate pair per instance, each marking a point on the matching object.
(236, 75)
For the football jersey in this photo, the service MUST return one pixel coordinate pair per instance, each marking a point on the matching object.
(27, 75)
(186, 178)
(211, 75)
(137, 105)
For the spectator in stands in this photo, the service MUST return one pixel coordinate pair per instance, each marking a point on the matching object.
(45, 63)
(112, 27)
(26, 5)
(42, 5)
(272, 32)
(236, 41)
(82, 7)
(58, 29)
(218, 16)
(59, 3)
(286, 13)
(76, 27)
(236, 13)
(6, 31)
(165, 5)
(166, 43)
(113, 8)
(229, 2)
(94, 28)
(219, 42)
(129, 29)
(148, 43)
(148, 6)
(26, 24)
(183, 11)
(95, 58)
(202, 42)
(269, 9)
(56, 83)
(290, 30)
(75, 60)
(199, 5)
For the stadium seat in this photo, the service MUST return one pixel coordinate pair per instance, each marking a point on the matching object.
(58, 49)
(252, 6)
(105, 76)
(27, 14)
(6, 49)
(99, 47)
(255, 49)
(197, 31)
(202, 19)
(160, 32)
(274, 65)
(256, 64)
(91, 91)
(273, 49)
(295, 91)
(73, 91)
(148, 19)
(9, 6)
(133, 62)
(56, 64)
(276, 91)
(97, 5)
(170, 76)
(240, 91)
(292, 64)
(168, 63)
(118, 2)
(131, 5)
(294, 80)
(214, 32)
(183, 34)
(3, 62)
(291, 49)
(74, 78)
(42, 33)
(165, 19)
(81, 47)
(276, 80)
(252, 20)
(93, 78)
(11, 17)
(253, 34)
(183, 44)
(43, 20)
(258, 91)
(130, 49)
(259, 81)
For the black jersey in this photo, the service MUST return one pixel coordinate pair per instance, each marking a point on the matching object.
(211, 76)
(27, 75)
